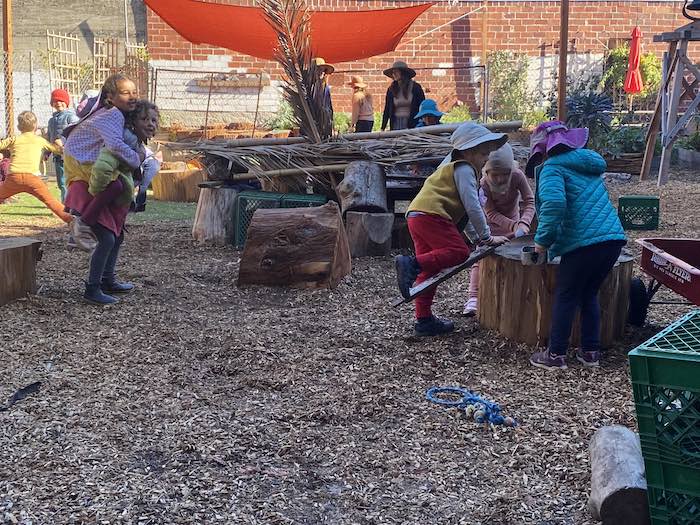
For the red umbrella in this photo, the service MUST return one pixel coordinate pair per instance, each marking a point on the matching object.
(633, 80)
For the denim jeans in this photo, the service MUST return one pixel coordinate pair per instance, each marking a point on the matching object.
(363, 126)
(580, 276)
(60, 176)
(104, 258)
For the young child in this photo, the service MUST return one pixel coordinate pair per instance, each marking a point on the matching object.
(62, 117)
(148, 116)
(509, 205)
(102, 127)
(448, 201)
(428, 113)
(578, 222)
(112, 180)
(362, 119)
(26, 152)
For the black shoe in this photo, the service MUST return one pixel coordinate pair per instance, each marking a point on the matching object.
(430, 326)
(94, 295)
(407, 269)
(115, 286)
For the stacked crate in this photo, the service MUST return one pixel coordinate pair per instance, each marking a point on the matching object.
(666, 383)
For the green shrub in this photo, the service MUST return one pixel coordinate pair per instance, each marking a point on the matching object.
(623, 139)
(510, 97)
(590, 110)
(617, 63)
(341, 122)
(283, 119)
(457, 114)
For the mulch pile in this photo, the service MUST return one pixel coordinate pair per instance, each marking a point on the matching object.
(193, 401)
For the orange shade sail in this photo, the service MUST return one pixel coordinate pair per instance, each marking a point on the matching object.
(337, 36)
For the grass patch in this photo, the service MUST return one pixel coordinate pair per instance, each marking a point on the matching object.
(156, 211)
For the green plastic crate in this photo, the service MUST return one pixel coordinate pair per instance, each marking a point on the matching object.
(665, 374)
(292, 200)
(638, 212)
(246, 204)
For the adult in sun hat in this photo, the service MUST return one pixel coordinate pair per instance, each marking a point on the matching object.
(576, 221)
(403, 98)
(324, 70)
(362, 106)
(63, 116)
(428, 113)
(446, 205)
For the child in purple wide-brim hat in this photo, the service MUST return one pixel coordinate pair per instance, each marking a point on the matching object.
(551, 138)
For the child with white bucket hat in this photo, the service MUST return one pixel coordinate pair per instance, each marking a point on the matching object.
(447, 203)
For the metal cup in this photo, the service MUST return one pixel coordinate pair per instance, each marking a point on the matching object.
(529, 257)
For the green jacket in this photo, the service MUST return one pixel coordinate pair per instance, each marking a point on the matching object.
(106, 169)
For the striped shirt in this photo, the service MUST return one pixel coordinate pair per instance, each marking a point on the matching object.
(104, 128)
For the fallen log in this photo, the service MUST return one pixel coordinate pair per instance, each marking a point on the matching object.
(18, 258)
(289, 172)
(369, 234)
(213, 220)
(298, 247)
(618, 486)
(363, 188)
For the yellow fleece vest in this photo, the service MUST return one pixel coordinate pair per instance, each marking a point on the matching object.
(440, 195)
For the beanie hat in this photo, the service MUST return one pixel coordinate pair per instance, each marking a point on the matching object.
(60, 95)
(500, 160)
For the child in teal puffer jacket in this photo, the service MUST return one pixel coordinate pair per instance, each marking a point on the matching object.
(576, 221)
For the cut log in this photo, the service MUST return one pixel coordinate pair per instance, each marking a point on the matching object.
(517, 300)
(369, 233)
(177, 185)
(18, 258)
(363, 188)
(213, 220)
(618, 486)
(299, 247)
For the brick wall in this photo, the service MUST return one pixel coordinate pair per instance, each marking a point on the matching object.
(530, 27)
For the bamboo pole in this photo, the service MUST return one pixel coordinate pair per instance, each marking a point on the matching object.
(8, 48)
(563, 58)
(330, 168)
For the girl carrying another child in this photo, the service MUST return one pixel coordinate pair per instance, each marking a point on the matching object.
(578, 222)
(102, 127)
(509, 205)
(447, 203)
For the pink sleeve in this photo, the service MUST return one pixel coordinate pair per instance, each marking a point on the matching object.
(110, 126)
(527, 207)
(497, 220)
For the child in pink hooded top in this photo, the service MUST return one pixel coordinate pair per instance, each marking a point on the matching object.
(509, 205)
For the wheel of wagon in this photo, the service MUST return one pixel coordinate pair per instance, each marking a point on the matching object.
(639, 302)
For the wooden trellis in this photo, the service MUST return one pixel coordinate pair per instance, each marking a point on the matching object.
(105, 53)
(136, 66)
(65, 70)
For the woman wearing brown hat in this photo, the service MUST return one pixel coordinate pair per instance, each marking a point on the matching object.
(403, 97)
(362, 107)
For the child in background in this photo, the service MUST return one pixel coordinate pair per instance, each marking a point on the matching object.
(62, 117)
(362, 119)
(578, 222)
(26, 153)
(428, 113)
(509, 205)
(448, 201)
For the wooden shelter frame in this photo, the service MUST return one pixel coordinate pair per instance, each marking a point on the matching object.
(105, 56)
(65, 70)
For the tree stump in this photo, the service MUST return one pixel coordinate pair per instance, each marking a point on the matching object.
(18, 258)
(363, 188)
(177, 185)
(618, 486)
(369, 233)
(517, 300)
(213, 220)
(299, 247)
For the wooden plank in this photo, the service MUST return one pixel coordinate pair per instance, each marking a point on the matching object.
(563, 58)
(672, 116)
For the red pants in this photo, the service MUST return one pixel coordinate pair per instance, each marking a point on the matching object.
(439, 245)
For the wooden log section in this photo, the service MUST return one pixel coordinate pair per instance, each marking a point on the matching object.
(298, 247)
(213, 220)
(618, 486)
(363, 188)
(18, 258)
(177, 185)
(369, 233)
(517, 300)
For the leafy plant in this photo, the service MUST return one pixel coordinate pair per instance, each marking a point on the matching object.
(691, 141)
(341, 122)
(457, 114)
(510, 96)
(623, 139)
(590, 110)
(534, 117)
(283, 119)
(616, 66)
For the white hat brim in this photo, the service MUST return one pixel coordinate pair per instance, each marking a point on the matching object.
(501, 138)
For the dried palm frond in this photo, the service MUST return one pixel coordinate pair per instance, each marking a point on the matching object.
(291, 21)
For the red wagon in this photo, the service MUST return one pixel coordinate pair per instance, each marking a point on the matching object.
(673, 263)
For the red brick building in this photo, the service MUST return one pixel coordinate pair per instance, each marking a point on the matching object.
(529, 27)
